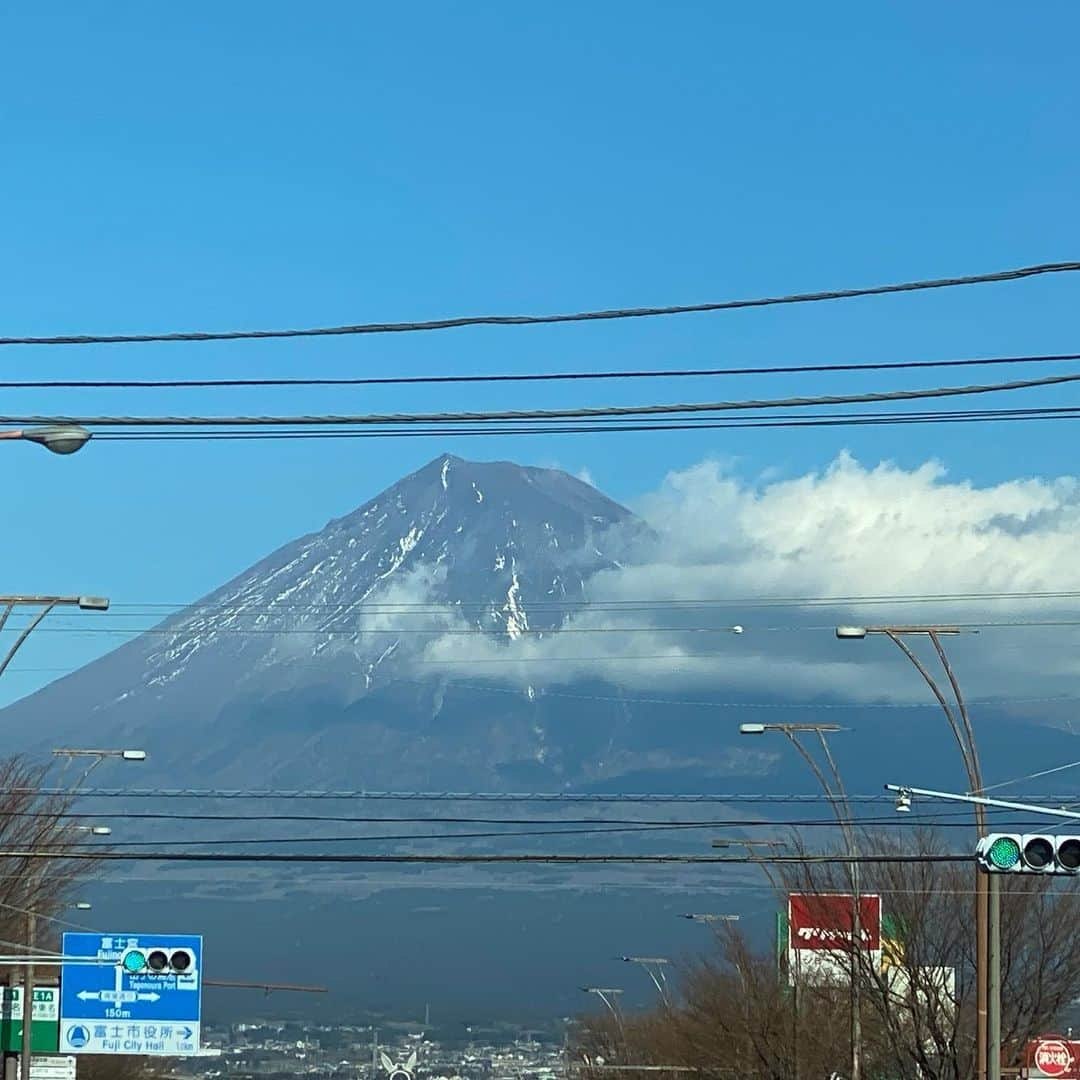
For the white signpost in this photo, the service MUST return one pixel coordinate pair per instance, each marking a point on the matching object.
(49, 1068)
(46, 1003)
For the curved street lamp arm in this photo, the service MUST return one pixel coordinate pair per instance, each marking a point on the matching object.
(950, 715)
(768, 873)
(834, 792)
(614, 1011)
(661, 987)
(969, 731)
(27, 631)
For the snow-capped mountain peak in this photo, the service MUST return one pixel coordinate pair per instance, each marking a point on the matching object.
(505, 549)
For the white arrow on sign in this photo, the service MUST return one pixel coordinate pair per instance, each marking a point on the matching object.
(121, 997)
(117, 997)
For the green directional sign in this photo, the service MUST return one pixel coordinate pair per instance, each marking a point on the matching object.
(45, 1032)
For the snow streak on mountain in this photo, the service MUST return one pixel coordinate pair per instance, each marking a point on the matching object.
(492, 540)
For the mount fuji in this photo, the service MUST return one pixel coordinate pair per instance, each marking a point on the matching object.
(309, 668)
(314, 668)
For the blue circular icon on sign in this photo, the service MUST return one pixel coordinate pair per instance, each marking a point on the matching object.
(78, 1036)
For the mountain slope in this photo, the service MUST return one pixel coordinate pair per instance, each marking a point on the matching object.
(293, 665)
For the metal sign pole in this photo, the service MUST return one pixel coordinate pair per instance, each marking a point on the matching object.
(993, 988)
(28, 988)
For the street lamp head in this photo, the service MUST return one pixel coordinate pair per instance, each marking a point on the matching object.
(133, 755)
(751, 729)
(851, 633)
(83, 905)
(903, 802)
(100, 830)
(59, 438)
(94, 603)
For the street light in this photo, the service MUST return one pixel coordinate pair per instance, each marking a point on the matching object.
(97, 757)
(59, 438)
(82, 905)
(711, 920)
(125, 755)
(760, 729)
(93, 830)
(961, 727)
(832, 785)
(45, 604)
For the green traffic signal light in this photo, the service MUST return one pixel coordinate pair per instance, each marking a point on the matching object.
(134, 962)
(1004, 853)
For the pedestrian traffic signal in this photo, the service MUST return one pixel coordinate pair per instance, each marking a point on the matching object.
(1029, 853)
(157, 961)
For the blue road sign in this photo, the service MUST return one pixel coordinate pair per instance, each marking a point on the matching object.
(145, 997)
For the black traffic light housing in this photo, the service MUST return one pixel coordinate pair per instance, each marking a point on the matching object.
(1029, 853)
(156, 961)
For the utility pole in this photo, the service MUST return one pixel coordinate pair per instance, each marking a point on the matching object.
(959, 721)
(28, 977)
(832, 785)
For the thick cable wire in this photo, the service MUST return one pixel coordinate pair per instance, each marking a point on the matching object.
(532, 320)
(555, 859)
(1007, 416)
(550, 376)
(763, 798)
(585, 412)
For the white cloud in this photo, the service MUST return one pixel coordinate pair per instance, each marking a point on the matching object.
(849, 531)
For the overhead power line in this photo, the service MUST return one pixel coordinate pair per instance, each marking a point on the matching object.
(358, 629)
(939, 815)
(402, 607)
(560, 376)
(483, 796)
(581, 413)
(595, 427)
(312, 857)
(532, 320)
(632, 829)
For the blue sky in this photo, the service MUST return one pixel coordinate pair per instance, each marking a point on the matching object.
(249, 165)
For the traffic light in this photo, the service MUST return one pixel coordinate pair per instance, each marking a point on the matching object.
(157, 961)
(1029, 853)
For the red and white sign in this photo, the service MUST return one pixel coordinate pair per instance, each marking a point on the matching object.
(1049, 1056)
(826, 921)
